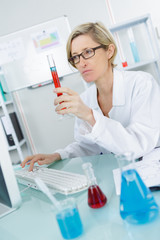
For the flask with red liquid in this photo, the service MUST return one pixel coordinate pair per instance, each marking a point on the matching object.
(96, 198)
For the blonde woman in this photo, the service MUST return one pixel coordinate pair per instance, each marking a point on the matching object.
(119, 112)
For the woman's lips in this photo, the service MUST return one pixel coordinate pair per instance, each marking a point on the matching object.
(86, 71)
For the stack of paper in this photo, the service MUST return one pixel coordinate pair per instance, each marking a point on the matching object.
(148, 168)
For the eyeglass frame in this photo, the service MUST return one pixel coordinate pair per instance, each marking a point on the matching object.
(81, 54)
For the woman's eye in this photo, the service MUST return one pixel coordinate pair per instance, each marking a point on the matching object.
(75, 57)
(88, 51)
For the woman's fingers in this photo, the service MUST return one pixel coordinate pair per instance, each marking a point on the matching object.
(41, 159)
(65, 90)
(31, 160)
(26, 161)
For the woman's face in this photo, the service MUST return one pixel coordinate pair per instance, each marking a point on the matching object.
(96, 67)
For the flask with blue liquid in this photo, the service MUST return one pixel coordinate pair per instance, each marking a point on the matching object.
(137, 203)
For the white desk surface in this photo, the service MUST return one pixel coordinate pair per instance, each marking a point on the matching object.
(35, 220)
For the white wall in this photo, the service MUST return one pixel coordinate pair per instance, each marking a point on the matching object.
(48, 134)
(126, 9)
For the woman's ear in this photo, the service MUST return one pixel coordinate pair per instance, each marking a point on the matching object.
(110, 51)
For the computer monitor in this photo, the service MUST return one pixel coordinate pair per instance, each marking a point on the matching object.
(10, 198)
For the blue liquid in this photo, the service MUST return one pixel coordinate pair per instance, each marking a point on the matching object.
(137, 204)
(70, 223)
(134, 52)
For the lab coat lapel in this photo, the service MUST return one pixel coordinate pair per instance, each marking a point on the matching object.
(118, 88)
(118, 91)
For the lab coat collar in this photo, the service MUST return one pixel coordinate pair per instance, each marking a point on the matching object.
(118, 90)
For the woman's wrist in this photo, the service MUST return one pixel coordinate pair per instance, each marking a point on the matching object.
(90, 118)
(57, 156)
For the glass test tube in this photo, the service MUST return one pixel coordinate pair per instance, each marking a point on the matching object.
(133, 45)
(53, 69)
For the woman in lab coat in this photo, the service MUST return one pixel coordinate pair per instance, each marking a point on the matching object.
(118, 113)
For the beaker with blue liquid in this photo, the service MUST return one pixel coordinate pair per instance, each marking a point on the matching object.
(67, 214)
(69, 220)
(137, 203)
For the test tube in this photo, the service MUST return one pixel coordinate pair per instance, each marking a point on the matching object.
(53, 69)
(133, 45)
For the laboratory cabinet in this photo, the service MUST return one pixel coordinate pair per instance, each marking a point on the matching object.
(18, 145)
(138, 46)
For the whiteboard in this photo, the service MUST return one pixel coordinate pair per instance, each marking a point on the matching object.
(23, 54)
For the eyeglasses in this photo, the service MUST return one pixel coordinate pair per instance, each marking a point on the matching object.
(88, 53)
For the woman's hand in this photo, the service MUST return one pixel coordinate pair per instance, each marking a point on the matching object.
(41, 159)
(70, 102)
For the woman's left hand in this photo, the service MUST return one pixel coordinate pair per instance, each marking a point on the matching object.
(70, 102)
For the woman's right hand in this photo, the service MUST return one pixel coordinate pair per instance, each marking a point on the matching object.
(41, 159)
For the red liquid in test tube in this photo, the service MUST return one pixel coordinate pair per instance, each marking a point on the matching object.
(54, 72)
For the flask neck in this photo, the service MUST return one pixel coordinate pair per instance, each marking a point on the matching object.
(89, 172)
(126, 161)
(92, 181)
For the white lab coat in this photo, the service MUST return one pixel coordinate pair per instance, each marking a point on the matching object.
(133, 123)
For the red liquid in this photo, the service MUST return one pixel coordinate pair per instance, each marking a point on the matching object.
(96, 198)
(55, 79)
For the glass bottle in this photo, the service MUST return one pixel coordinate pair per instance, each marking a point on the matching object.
(137, 204)
(96, 198)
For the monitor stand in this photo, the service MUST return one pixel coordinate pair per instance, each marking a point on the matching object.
(4, 210)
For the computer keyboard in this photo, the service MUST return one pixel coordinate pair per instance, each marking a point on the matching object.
(57, 180)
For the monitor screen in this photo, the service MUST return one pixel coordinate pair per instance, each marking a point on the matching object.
(4, 196)
(10, 198)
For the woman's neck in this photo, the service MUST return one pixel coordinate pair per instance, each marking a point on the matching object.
(105, 84)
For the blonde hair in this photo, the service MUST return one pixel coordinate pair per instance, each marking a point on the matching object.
(98, 33)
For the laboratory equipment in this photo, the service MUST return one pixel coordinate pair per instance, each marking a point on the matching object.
(55, 77)
(69, 220)
(67, 215)
(137, 204)
(133, 45)
(43, 187)
(96, 198)
(57, 180)
(53, 69)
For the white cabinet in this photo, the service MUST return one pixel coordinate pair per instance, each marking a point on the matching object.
(18, 147)
(140, 32)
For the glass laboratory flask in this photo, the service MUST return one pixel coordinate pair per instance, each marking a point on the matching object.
(137, 204)
(96, 198)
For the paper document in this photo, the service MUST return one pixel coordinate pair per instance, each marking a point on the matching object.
(148, 169)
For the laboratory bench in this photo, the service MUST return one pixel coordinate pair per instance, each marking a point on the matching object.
(35, 219)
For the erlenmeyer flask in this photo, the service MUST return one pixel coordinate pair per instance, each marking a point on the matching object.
(137, 204)
(96, 198)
